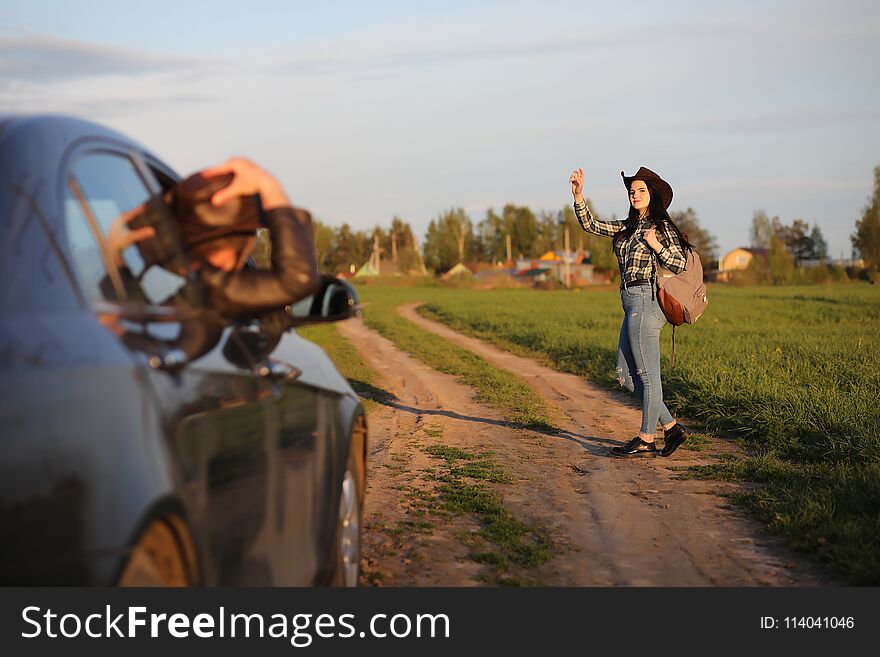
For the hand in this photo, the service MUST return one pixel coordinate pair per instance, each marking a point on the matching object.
(577, 184)
(119, 237)
(651, 239)
(248, 178)
(110, 321)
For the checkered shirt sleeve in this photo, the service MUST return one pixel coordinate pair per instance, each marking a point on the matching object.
(592, 225)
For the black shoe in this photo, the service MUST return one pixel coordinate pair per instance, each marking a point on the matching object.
(673, 439)
(634, 447)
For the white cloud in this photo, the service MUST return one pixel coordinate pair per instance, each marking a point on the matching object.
(44, 58)
(417, 116)
(98, 98)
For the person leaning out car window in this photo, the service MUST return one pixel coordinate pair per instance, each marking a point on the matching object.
(217, 218)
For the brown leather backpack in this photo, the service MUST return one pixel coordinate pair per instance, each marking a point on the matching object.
(683, 296)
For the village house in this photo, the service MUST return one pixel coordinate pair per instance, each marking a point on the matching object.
(736, 260)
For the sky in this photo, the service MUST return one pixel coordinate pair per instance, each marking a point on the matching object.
(367, 110)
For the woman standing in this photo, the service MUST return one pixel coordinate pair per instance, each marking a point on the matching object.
(648, 238)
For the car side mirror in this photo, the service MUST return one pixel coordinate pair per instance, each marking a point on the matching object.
(335, 299)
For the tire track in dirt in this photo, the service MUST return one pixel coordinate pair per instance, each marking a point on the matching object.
(432, 408)
(624, 522)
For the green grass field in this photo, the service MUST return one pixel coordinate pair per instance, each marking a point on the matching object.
(794, 371)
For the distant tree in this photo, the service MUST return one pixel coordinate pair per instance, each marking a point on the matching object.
(521, 225)
(492, 237)
(762, 229)
(449, 240)
(795, 238)
(350, 248)
(701, 238)
(402, 247)
(551, 235)
(801, 242)
(325, 247)
(866, 239)
(527, 237)
(780, 262)
(381, 238)
(462, 230)
(818, 247)
(477, 249)
(342, 248)
(438, 249)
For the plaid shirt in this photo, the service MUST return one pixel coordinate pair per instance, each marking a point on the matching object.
(634, 257)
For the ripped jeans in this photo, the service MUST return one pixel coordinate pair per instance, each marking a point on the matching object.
(638, 354)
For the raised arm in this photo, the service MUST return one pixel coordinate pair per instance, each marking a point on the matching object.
(585, 218)
(294, 273)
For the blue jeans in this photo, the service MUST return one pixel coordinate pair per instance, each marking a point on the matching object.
(638, 354)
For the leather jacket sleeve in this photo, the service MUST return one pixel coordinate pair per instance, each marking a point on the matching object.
(294, 273)
(197, 336)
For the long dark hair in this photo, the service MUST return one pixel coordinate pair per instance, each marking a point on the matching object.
(658, 215)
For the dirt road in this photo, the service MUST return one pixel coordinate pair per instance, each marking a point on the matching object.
(612, 521)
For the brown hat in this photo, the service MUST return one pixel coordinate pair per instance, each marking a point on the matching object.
(200, 220)
(185, 215)
(653, 180)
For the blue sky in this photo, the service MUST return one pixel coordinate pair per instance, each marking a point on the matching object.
(370, 109)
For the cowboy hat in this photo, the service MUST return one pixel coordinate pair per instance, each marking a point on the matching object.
(652, 180)
(201, 221)
(185, 215)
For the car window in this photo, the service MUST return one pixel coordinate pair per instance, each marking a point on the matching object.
(32, 267)
(110, 185)
(84, 249)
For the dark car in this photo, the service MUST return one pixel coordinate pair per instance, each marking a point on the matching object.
(123, 458)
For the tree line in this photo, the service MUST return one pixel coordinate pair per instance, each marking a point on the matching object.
(517, 232)
(453, 237)
(342, 249)
(513, 233)
(789, 247)
(866, 238)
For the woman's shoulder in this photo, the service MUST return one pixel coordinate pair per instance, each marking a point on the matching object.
(666, 226)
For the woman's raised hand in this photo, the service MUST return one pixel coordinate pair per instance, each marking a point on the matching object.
(577, 184)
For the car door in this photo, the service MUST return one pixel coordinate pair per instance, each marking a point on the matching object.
(220, 418)
(313, 454)
(305, 468)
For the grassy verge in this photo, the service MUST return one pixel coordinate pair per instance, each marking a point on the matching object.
(457, 486)
(793, 371)
(508, 547)
(829, 509)
(348, 362)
